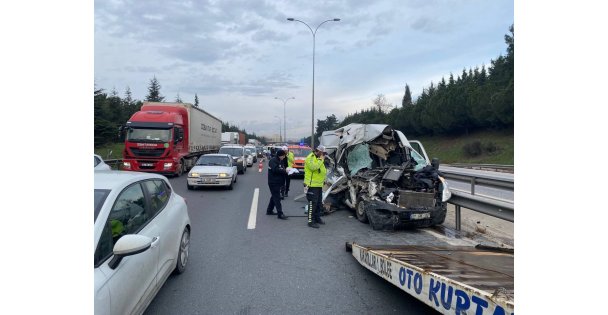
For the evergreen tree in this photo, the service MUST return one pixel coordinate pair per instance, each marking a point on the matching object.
(178, 99)
(154, 91)
(329, 123)
(195, 100)
(407, 98)
(128, 99)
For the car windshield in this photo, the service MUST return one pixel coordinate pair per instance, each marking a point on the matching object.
(214, 160)
(232, 151)
(250, 150)
(149, 135)
(99, 197)
(300, 152)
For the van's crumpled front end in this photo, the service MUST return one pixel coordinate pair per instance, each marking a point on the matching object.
(374, 170)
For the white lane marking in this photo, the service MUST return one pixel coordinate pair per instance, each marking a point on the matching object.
(451, 241)
(253, 213)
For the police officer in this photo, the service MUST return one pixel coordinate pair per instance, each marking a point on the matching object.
(287, 162)
(314, 176)
(276, 179)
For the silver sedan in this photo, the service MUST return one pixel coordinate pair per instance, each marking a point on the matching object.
(213, 170)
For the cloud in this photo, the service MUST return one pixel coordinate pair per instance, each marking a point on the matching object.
(430, 25)
(266, 35)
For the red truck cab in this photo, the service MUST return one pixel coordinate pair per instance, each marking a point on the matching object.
(156, 140)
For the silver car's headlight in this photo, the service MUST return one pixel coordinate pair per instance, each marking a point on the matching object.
(194, 175)
(446, 194)
(222, 175)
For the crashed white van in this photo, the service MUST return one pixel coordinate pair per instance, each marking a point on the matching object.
(374, 170)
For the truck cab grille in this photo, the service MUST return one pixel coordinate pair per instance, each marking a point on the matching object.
(147, 152)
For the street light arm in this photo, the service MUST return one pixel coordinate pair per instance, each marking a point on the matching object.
(324, 23)
(292, 19)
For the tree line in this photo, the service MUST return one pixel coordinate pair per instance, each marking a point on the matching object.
(477, 99)
(112, 111)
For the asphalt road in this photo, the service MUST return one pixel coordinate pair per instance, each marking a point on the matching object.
(280, 267)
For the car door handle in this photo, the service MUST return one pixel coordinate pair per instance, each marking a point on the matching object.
(155, 241)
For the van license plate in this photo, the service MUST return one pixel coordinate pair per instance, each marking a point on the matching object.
(147, 164)
(419, 216)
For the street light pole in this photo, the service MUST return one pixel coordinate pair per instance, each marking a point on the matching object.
(284, 120)
(314, 33)
(280, 137)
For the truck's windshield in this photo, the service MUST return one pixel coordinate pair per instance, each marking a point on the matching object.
(149, 135)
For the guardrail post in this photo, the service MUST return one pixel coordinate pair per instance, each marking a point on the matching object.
(457, 217)
(472, 185)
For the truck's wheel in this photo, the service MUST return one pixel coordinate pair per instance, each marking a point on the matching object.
(180, 169)
(361, 215)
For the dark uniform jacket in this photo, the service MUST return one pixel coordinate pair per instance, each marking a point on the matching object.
(276, 172)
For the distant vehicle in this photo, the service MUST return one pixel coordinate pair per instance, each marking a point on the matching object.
(242, 140)
(238, 156)
(230, 138)
(299, 154)
(168, 138)
(213, 170)
(100, 165)
(141, 235)
(373, 169)
(252, 155)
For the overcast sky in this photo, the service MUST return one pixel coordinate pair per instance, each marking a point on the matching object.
(239, 55)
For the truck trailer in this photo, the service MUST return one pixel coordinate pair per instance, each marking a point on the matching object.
(230, 137)
(168, 138)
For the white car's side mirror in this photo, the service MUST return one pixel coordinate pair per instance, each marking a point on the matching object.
(130, 244)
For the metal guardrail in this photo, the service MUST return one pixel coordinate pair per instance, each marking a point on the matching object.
(491, 167)
(114, 163)
(502, 209)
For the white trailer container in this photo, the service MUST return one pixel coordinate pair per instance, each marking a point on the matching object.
(230, 137)
(205, 131)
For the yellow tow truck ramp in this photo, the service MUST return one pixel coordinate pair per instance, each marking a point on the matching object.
(452, 280)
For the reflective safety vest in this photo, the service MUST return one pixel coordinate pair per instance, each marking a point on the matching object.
(314, 171)
(290, 159)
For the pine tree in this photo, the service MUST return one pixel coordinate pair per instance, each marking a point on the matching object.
(407, 98)
(128, 99)
(178, 99)
(154, 91)
(195, 100)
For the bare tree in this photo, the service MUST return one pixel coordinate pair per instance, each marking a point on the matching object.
(382, 104)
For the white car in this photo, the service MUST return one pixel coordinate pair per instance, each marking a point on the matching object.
(100, 165)
(141, 236)
(213, 170)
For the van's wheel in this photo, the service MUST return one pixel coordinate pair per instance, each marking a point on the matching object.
(361, 215)
(183, 252)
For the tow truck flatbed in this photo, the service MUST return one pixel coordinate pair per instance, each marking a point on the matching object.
(452, 280)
